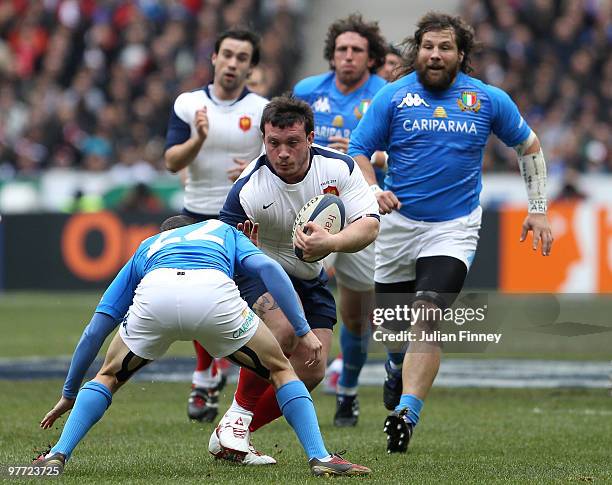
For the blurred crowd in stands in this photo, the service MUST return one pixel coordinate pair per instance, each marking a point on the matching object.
(88, 84)
(554, 58)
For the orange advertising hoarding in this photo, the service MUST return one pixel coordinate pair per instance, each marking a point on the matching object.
(581, 258)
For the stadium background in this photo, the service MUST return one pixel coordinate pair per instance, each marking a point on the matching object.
(86, 88)
(85, 92)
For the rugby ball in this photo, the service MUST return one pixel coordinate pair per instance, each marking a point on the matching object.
(327, 211)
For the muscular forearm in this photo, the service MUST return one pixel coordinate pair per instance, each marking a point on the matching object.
(356, 236)
(366, 169)
(100, 326)
(179, 156)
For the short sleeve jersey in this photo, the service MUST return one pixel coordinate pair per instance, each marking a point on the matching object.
(336, 113)
(233, 133)
(261, 196)
(435, 142)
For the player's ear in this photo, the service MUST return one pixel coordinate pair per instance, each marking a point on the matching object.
(461, 55)
(213, 59)
(310, 137)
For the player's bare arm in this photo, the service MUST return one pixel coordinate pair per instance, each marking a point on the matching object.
(387, 201)
(317, 242)
(234, 172)
(180, 156)
(533, 170)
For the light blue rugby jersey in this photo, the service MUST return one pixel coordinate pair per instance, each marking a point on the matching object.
(335, 113)
(210, 244)
(436, 141)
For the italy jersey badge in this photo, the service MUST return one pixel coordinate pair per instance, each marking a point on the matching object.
(469, 101)
(361, 108)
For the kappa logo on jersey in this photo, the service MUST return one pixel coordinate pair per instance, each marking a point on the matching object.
(321, 105)
(245, 123)
(331, 189)
(413, 100)
(361, 108)
(469, 101)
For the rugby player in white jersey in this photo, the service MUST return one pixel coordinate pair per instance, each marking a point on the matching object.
(213, 133)
(270, 192)
(339, 98)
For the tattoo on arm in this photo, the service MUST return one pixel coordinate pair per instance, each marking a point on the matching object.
(263, 305)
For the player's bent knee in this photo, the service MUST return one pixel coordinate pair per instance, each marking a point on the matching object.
(121, 367)
(249, 359)
(286, 339)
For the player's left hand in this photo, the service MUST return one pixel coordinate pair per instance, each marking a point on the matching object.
(250, 230)
(63, 405)
(313, 346)
(338, 143)
(234, 173)
(314, 241)
(387, 202)
(539, 225)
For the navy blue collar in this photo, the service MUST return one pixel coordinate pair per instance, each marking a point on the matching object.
(245, 92)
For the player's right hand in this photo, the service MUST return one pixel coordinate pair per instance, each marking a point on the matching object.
(314, 347)
(338, 143)
(201, 123)
(63, 405)
(250, 230)
(387, 202)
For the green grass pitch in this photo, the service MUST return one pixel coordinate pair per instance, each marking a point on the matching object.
(466, 436)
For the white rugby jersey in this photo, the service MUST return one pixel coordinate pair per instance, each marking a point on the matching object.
(262, 196)
(233, 133)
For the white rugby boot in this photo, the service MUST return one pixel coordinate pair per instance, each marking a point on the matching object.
(230, 440)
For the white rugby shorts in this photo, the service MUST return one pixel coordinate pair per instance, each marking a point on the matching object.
(401, 241)
(355, 271)
(174, 304)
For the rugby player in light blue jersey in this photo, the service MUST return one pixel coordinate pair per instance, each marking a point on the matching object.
(178, 286)
(213, 133)
(339, 98)
(434, 122)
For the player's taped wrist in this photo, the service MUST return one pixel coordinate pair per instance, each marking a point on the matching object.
(533, 171)
(537, 206)
(375, 188)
